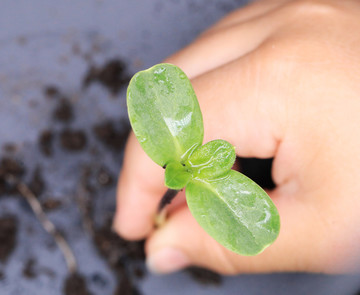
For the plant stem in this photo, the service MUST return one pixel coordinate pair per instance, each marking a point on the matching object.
(162, 212)
(167, 198)
(35, 205)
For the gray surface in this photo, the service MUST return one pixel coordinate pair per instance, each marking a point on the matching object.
(36, 48)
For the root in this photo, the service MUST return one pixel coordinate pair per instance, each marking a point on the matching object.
(36, 207)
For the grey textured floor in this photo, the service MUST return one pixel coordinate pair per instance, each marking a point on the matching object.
(39, 45)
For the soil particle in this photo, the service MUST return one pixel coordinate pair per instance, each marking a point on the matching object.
(112, 137)
(51, 204)
(119, 254)
(8, 231)
(37, 183)
(10, 147)
(99, 280)
(75, 284)
(104, 177)
(3, 186)
(51, 91)
(115, 249)
(204, 276)
(64, 111)
(73, 139)
(125, 287)
(112, 75)
(45, 142)
(9, 166)
(29, 269)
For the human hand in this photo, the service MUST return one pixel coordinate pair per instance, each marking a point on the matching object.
(276, 79)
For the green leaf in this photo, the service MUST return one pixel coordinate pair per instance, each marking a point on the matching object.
(212, 159)
(164, 113)
(235, 211)
(177, 176)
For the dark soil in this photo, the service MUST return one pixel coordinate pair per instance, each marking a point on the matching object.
(63, 111)
(45, 142)
(73, 139)
(51, 91)
(115, 249)
(120, 255)
(111, 135)
(29, 269)
(51, 204)
(204, 276)
(126, 287)
(9, 166)
(75, 284)
(10, 147)
(37, 183)
(104, 177)
(112, 75)
(8, 232)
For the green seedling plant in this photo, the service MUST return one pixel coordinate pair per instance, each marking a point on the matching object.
(165, 116)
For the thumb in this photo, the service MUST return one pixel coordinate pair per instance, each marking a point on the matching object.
(181, 242)
(303, 245)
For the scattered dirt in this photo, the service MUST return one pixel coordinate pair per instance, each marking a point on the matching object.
(29, 269)
(37, 183)
(99, 280)
(115, 249)
(10, 147)
(111, 134)
(51, 204)
(63, 111)
(112, 75)
(126, 287)
(51, 91)
(204, 276)
(75, 284)
(73, 139)
(9, 166)
(120, 255)
(104, 177)
(8, 232)
(45, 142)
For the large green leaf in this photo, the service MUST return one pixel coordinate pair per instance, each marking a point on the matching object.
(235, 211)
(164, 113)
(212, 159)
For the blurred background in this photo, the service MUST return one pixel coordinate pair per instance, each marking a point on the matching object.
(64, 68)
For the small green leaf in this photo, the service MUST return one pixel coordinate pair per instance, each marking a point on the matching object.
(177, 176)
(164, 113)
(212, 159)
(235, 211)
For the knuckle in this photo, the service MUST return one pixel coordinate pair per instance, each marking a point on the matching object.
(310, 9)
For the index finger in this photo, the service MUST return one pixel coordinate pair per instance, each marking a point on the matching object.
(140, 188)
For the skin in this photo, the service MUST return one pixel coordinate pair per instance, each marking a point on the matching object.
(282, 79)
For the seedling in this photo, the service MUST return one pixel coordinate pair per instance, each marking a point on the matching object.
(166, 119)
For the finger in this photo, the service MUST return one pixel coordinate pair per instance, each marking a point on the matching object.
(253, 10)
(140, 187)
(303, 245)
(219, 46)
(237, 105)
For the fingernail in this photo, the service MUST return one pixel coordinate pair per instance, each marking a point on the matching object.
(167, 260)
